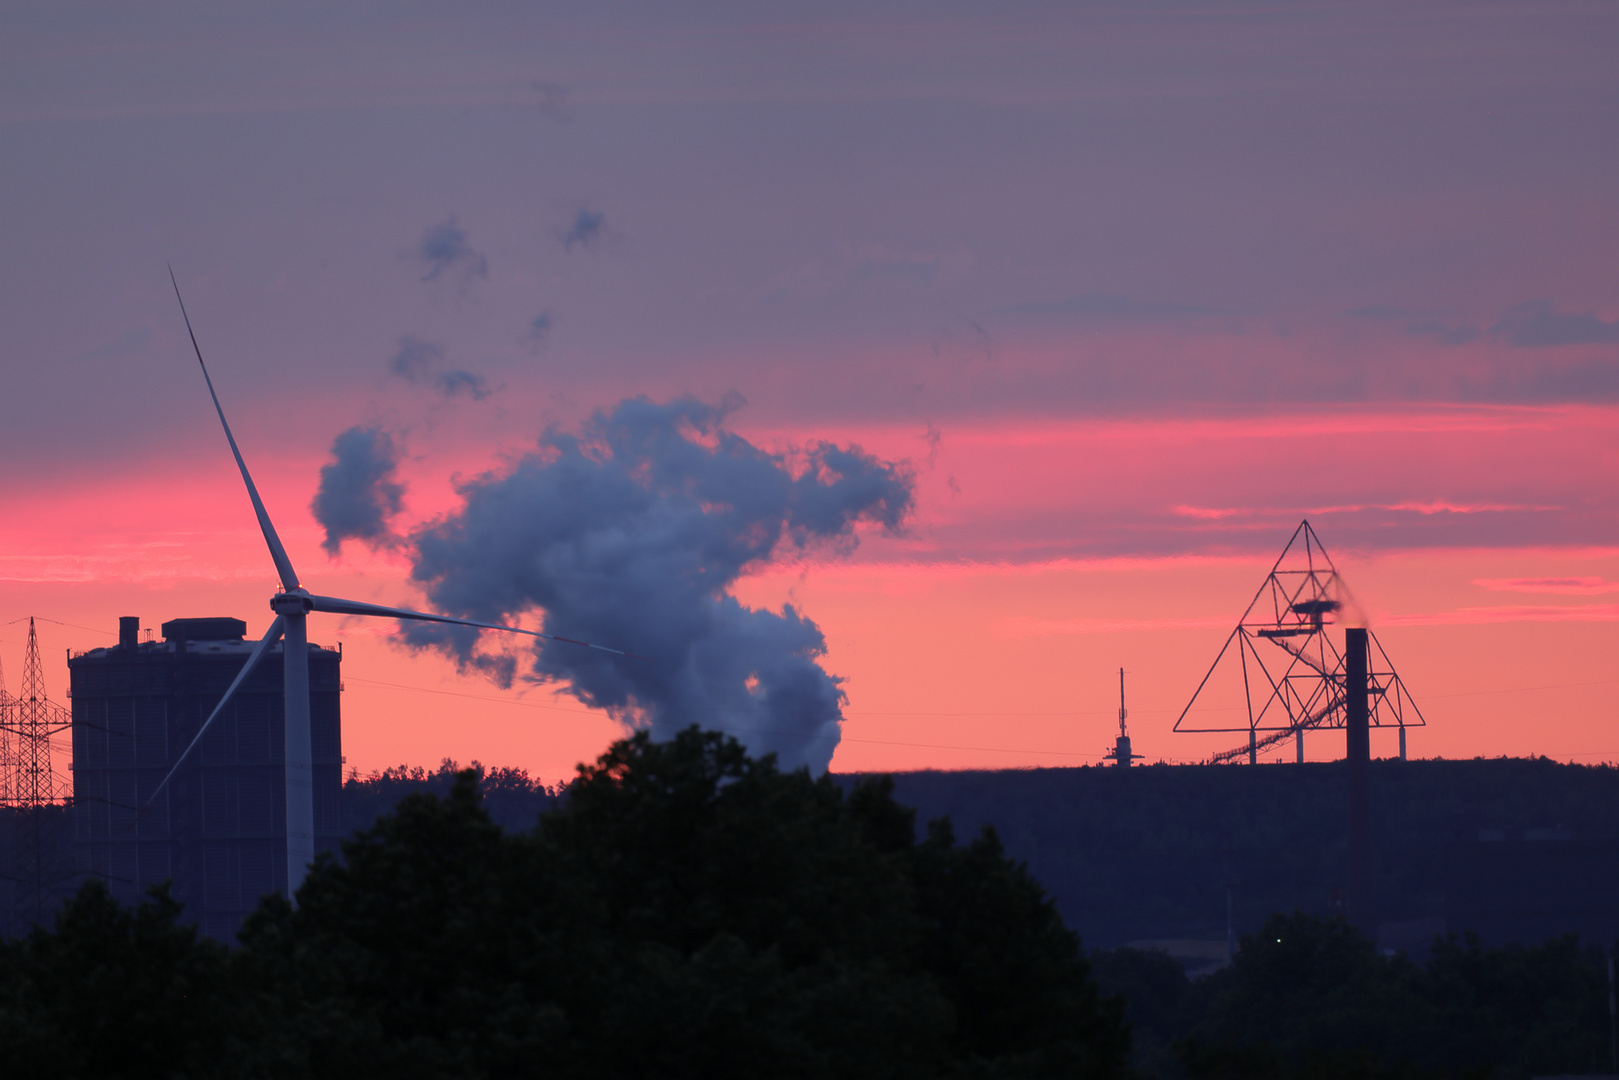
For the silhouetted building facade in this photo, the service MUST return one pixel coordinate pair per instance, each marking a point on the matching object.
(218, 831)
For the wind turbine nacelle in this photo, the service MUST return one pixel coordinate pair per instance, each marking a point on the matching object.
(291, 604)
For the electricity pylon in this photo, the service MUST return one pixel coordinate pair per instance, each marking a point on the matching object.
(37, 718)
(8, 744)
(29, 783)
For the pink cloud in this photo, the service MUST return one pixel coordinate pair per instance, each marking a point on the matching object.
(1030, 627)
(1469, 616)
(1572, 586)
(1210, 513)
(1433, 506)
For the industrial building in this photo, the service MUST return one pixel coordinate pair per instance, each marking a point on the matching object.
(218, 830)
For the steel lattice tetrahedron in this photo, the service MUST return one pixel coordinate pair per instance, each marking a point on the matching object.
(1291, 668)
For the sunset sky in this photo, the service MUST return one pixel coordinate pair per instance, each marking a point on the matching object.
(1132, 288)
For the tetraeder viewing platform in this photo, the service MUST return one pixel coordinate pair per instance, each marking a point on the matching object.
(218, 830)
(1285, 665)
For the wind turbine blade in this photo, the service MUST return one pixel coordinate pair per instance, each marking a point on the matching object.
(253, 659)
(334, 606)
(283, 565)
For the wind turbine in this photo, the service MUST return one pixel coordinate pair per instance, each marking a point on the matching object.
(292, 606)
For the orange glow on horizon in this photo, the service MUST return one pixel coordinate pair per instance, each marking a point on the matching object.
(975, 640)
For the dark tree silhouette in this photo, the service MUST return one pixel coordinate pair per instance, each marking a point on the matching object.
(1310, 997)
(686, 911)
(115, 992)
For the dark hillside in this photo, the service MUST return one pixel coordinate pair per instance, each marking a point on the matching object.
(1514, 849)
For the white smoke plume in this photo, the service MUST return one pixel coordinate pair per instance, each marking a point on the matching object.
(629, 534)
(358, 493)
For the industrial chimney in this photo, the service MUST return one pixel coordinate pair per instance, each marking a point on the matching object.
(129, 631)
(1358, 903)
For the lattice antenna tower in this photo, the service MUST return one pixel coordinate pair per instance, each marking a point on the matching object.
(1121, 754)
(1292, 667)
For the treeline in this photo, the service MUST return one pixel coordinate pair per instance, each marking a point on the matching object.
(685, 911)
(1307, 996)
(37, 871)
(1513, 849)
(512, 798)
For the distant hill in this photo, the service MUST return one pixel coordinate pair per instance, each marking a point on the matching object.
(1513, 849)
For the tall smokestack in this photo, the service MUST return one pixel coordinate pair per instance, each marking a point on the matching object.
(129, 631)
(1358, 902)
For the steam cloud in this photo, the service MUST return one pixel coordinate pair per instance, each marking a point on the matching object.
(540, 329)
(444, 251)
(586, 229)
(629, 534)
(357, 493)
(418, 361)
(460, 381)
(416, 358)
